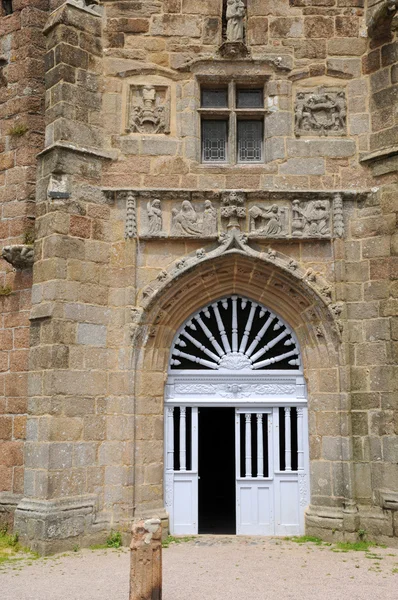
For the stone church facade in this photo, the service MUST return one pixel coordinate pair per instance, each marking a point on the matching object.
(162, 156)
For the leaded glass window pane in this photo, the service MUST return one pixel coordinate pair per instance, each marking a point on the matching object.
(250, 141)
(214, 141)
(215, 98)
(250, 99)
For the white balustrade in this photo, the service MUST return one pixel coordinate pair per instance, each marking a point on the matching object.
(183, 449)
(288, 442)
(248, 445)
(234, 324)
(300, 438)
(260, 446)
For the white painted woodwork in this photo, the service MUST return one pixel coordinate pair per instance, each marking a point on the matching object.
(231, 354)
(260, 449)
(300, 438)
(228, 367)
(248, 448)
(183, 449)
(288, 442)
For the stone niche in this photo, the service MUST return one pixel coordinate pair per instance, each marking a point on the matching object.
(207, 214)
(322, 111)
(148, 109)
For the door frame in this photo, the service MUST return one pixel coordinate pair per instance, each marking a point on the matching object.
(279, 390)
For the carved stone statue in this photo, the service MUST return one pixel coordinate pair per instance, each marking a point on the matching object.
(271, 220)
(149, 114)
(312, 219)
(154, 213)
(320, 112)
(209, 219)
(235, 20)
(185, 221)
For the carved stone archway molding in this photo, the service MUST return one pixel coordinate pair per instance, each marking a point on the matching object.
(235, 242)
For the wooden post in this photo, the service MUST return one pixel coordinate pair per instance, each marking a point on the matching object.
(146, 560)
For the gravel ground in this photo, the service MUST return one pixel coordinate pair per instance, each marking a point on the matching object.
(213, 568)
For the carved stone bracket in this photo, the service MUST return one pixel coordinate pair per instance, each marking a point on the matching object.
(20, 256)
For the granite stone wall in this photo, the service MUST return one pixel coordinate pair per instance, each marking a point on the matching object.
(110, 289)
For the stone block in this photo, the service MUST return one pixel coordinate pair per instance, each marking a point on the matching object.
(286, 27)
(318, 27)
(313, 148)
(347, 27)
(303, 166)
(155, 147)
(311, 48)
(359, 423)
(321, 481)
(278, 124)
(91, 335)
(176, 25)
(363, 481)
(390, 449)
(389, 54)
(274, 148)
(345, 68)
(205, 7)
(257, 31)
(358, 124)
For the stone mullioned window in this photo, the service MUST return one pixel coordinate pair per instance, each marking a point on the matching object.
(232, 123)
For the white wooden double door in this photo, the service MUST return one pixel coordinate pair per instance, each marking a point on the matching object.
(271, 470)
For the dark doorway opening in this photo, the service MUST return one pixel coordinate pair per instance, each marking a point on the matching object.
(217, 489)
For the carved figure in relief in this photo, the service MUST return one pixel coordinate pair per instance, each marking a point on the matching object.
(148, 115)
(185, 221)
(235, 16)
(155, 221)
(340, 114)
(312, 220)
(271, 220)
(209, 219)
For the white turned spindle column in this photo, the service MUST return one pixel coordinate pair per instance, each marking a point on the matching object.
(260, 446)
(183, 443)
(234, 324)
(248, 447)
(288, 442)
(170, 438)
(300, 439)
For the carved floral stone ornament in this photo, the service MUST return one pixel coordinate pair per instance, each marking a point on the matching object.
(233, 209)
(149, 109)
(20, 256)
(320, 112)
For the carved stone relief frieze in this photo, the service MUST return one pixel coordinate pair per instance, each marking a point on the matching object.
(210, 215)
(149, 109)
(320, 112)
(269, 221)
(311, 219)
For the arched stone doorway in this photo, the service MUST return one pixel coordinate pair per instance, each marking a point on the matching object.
(299, 302)
(236, 423)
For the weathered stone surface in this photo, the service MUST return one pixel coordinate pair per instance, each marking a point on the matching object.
(146, 560)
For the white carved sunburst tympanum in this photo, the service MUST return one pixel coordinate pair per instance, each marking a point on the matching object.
(235, 334)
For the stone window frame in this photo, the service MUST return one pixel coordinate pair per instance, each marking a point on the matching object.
(231, 114)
